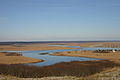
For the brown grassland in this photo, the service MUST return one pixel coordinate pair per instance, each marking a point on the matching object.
(97, 44)
(30, 47)
(14, 58)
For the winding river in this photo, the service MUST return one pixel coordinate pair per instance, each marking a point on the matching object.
(49, 59)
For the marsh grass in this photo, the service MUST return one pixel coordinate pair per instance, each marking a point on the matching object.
(78, 69)
(12, 54)
(68, 52)
(43, 53)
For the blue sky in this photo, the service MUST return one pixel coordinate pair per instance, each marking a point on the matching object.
(44, 20)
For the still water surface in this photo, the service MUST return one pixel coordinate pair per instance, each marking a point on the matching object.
(49, 59)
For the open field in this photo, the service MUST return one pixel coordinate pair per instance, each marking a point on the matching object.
(14, 58)
(111, 45)
(97, 44)
(30, 47)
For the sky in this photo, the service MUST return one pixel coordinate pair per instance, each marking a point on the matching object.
(59, 20)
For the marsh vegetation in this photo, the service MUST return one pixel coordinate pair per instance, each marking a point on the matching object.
(78, 69)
